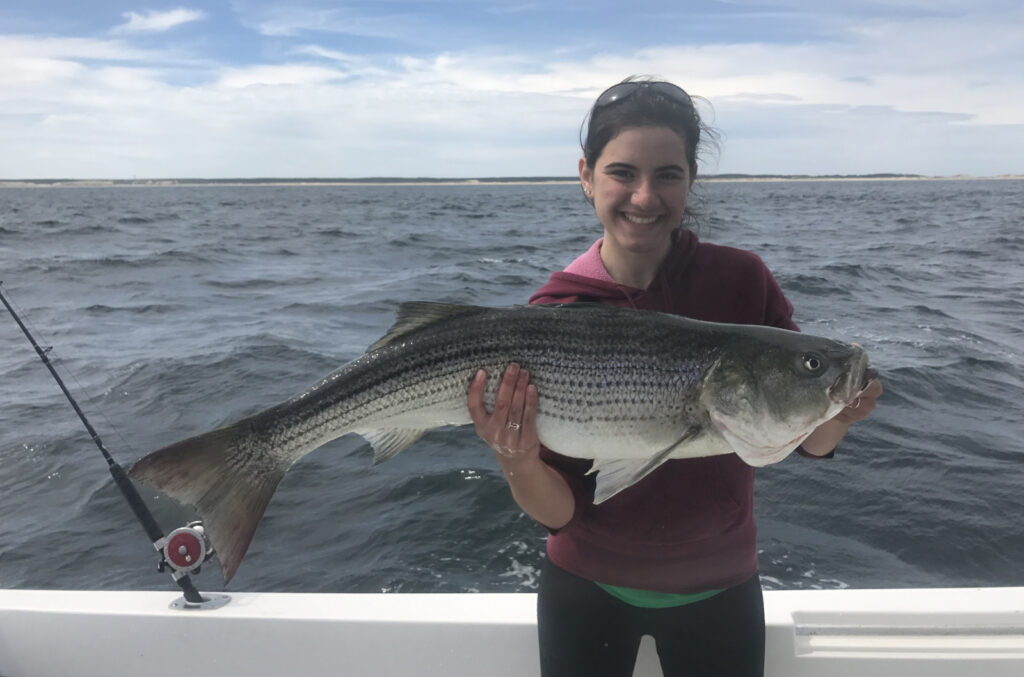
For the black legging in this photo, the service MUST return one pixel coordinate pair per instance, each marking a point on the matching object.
(587, 632)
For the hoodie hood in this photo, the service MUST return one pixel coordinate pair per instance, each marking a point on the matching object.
(586, 280)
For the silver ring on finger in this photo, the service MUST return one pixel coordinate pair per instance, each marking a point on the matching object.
(512, 425)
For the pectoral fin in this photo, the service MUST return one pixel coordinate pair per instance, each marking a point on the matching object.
(387, 443)
(614, 475)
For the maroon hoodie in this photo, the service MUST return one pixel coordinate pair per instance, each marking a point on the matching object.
(689, 525)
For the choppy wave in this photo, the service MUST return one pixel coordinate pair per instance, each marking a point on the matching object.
(183, 309)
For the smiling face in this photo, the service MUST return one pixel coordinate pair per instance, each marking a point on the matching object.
(639, 185)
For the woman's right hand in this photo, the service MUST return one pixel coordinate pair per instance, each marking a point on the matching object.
(511, 429)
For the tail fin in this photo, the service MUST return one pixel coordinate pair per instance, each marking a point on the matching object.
(225, 477)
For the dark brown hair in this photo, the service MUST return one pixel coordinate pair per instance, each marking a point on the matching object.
(647, 107)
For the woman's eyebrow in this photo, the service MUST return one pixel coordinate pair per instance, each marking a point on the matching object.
(626, 165)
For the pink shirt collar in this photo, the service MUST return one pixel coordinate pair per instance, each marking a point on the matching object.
(589, 264)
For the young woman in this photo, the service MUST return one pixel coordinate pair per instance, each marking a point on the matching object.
(674, 556)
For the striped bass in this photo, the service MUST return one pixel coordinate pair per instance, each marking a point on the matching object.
(627, 388)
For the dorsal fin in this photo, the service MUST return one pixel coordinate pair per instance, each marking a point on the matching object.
(414, 315)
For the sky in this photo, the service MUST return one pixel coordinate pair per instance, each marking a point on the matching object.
(484, 88)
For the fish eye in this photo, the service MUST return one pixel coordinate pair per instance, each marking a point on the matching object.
(813, 363)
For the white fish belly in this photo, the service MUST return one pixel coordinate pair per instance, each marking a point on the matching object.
(626, 440)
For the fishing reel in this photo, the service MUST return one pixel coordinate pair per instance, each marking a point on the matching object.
(184, 550)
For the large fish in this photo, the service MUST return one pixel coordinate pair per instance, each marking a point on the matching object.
(627, 388)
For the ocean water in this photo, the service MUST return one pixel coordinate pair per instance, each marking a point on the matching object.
(173, 310)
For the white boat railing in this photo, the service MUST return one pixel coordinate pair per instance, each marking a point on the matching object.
(880, 633)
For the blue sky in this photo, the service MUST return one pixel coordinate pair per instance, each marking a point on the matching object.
(479, 88)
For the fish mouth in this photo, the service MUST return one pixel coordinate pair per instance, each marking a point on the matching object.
(847, 386)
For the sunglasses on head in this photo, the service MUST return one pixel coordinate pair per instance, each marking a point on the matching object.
(624, 90)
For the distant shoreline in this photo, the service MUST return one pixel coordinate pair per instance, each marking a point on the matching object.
(510, 181)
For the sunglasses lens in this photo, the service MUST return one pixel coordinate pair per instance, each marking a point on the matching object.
(672, 92)
(616, 92)
(624, 90)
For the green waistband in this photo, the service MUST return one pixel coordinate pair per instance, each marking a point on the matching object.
(649, 599)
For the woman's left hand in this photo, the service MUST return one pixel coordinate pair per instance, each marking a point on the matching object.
(862, 405)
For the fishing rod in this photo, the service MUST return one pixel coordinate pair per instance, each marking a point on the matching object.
(186, 548)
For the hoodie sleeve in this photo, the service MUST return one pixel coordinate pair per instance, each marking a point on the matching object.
(778, 311)
(574, 472)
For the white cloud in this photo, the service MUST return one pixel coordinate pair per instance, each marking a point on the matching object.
(286, 21)
(298, 75)
(30, 46)
(330, 54)
(41, 76)
(156, 22)
(933, 96)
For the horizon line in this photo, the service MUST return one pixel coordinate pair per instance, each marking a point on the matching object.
(167, 181)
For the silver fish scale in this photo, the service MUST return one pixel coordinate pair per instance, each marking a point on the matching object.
(593, 368)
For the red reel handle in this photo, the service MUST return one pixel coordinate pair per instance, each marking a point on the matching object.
(186, 548)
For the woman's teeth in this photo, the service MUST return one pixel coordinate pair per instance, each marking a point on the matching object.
(640, 220)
